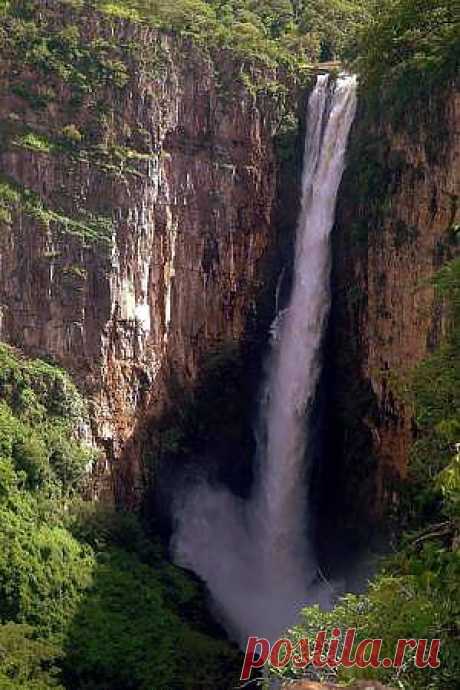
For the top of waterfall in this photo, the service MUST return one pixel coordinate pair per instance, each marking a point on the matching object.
(326, 67)
(330, 69)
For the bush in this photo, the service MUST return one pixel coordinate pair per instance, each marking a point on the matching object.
(416, 597)
(23, 447)
(71, 135)
(43, 572)
(27, 663)
(35, 389)
(137, 638)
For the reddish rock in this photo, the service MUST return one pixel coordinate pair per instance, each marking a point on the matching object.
(194, 229)
(389, 242)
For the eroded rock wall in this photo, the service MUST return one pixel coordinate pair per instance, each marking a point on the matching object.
(189, 202)
(399, 205)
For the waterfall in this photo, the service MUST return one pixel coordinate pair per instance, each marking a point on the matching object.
(255, 555)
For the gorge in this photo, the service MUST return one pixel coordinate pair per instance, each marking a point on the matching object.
(217, 354)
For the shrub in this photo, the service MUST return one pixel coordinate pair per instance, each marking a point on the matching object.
(71, 135)
(27, 663)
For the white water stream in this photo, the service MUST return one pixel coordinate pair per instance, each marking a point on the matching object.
(255, 555)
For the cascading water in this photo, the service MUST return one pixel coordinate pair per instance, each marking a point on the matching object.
(254, 555)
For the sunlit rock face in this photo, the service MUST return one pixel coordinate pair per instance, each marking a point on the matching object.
(193, 230)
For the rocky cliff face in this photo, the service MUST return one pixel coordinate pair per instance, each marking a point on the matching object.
(395, 228)
(139, 215)
(143, 220)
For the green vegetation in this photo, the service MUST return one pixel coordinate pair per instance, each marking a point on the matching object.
(436, 390)
(275, 32)
(57, 55)
(417, 594)
(9, 199)
(405, 49)
(34, 142)
(87, 228)
(35, 388)
(86, 600)
(71, 135)
(43, 569)
(27, 663)
(284, 32)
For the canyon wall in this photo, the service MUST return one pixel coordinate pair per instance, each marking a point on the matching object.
(145, 218)
(396, 226)
(140, 219)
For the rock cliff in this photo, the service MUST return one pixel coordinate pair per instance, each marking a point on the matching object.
(145, 218)
(396, 226)
(140, 195)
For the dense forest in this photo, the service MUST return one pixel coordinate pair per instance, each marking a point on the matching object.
(88, 598)
(386, 41)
